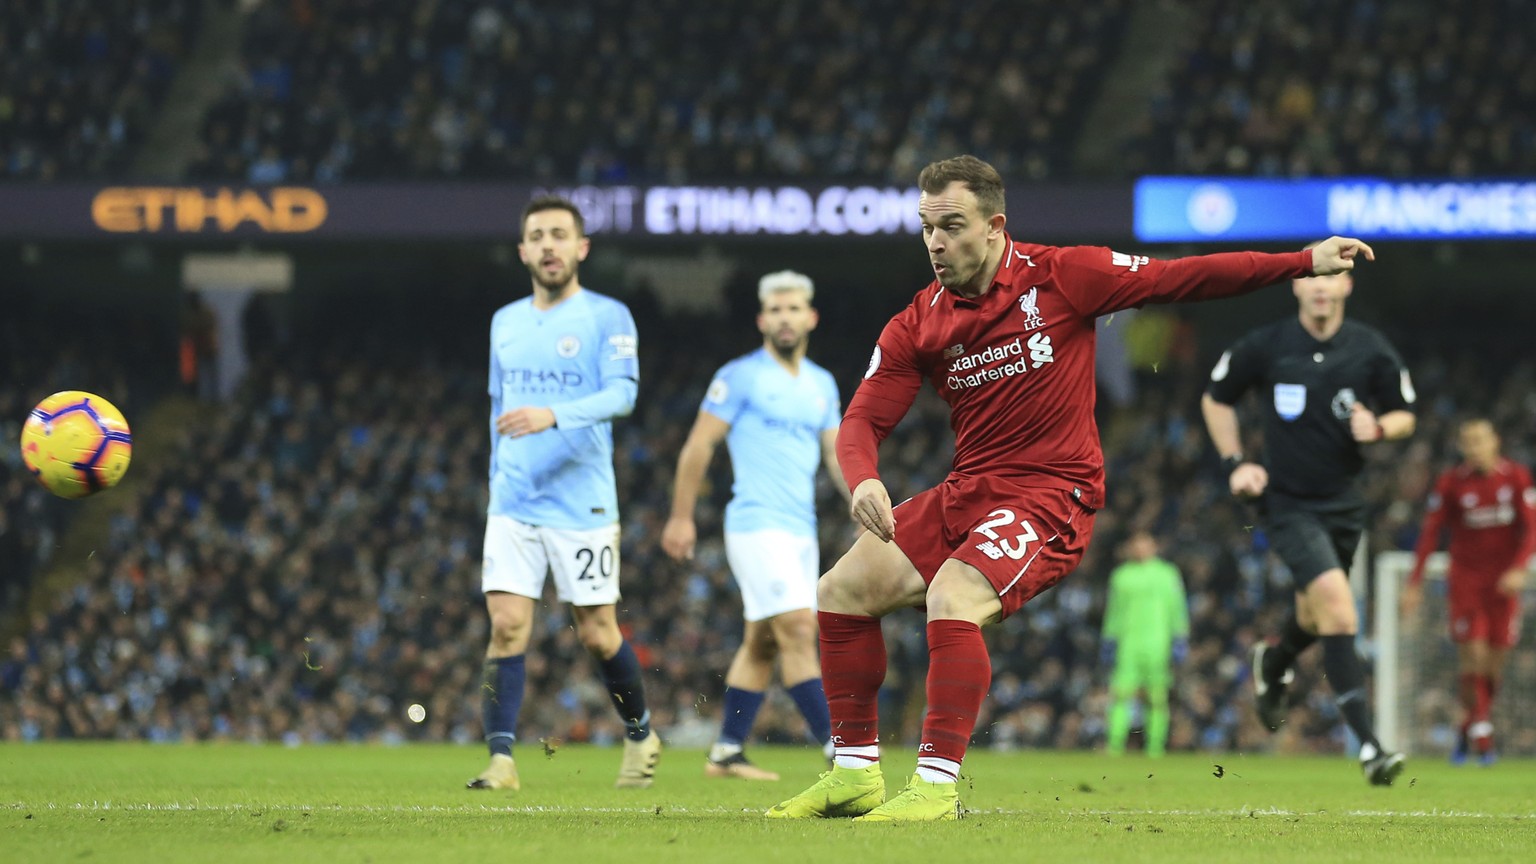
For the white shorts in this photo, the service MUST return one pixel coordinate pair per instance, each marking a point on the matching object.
(775, 570)
(585, 561)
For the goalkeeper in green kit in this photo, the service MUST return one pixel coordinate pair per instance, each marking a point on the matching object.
(1146, 630)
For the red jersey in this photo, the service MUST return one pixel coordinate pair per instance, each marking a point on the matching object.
(1492, 518)
(1016, 364)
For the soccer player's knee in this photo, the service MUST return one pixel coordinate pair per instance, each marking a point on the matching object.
(599, 636)
(762, 652)
(1335, 617)
(958, 594)
(835, 590)
(508, 626)
(795, 633)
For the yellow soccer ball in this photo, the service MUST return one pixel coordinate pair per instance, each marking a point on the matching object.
(76, 444)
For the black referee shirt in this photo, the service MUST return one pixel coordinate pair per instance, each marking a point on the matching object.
(1306, 389)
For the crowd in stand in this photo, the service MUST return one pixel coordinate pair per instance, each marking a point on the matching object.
(308, 565)
(33, 365)
(687, 91)
(1287, 88)
(80, 81)
(669, 91)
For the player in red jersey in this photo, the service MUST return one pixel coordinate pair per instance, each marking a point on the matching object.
(1490, 505)
(1005, 334)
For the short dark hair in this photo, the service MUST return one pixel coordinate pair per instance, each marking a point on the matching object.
(552, 202)
(978, 176)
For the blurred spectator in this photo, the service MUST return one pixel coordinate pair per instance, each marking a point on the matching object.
(34, 363)
(668, 91)
(80, 81)
(1317, 87)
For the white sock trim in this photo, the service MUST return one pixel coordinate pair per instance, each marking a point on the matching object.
(932, 769)
(856, 757)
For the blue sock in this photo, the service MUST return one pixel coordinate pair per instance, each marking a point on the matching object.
(501, 696)
(812, 702)
(740, 711)
(621, 673)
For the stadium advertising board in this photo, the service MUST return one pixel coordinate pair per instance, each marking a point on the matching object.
(442, 211)
(1191, 209)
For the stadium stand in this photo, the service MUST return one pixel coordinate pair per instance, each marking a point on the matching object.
(672, 91)
(1278, 88)
(80, 81)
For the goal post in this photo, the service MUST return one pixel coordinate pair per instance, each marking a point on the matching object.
(1417, 709)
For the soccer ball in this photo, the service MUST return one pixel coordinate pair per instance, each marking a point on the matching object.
(76, 444)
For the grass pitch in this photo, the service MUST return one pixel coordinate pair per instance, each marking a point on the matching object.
(234, 803)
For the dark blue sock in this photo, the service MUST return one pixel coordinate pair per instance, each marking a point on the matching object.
(621, 673)
(740, 711)
(812, 702)
(501, 696)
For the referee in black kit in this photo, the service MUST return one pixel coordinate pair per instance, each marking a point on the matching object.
(1329, 388)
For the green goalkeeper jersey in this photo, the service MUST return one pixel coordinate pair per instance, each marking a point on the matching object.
(1146, 609)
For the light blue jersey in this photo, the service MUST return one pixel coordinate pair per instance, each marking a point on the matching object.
(775, 439)
(578, 359)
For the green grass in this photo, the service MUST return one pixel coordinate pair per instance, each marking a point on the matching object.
(234, 803)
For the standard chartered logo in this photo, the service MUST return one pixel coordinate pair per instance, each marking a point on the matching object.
(978, 368)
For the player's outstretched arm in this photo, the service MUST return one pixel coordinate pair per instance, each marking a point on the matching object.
(1338, 255)
(680, 534)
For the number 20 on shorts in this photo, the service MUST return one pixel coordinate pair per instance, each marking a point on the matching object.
(995, 547)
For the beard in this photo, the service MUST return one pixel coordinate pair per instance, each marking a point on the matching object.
(555, 284)
(787, 348)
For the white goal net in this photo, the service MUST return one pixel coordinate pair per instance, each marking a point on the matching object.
(1416, 683)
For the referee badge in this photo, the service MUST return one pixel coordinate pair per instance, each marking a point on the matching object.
(1290, 400)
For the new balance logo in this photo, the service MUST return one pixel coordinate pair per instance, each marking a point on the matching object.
(953, 351)
(1041, 351)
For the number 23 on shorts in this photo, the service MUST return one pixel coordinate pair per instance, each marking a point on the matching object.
(995, 546)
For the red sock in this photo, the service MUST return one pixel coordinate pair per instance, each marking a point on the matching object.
(852, 670)
(1484, 704)
(959, 676)
(1468, 694)
(1482, 713)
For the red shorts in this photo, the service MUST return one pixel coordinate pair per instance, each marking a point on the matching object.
(1480, 612)
(1024, 539)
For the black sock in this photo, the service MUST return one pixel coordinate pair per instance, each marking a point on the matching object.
(621, 673)
(1293, 641)
(1342, 666)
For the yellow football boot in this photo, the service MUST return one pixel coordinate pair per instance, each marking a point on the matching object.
(840, 793)
(921, 801)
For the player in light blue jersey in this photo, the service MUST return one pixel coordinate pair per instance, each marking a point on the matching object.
(778, 413)
(563, 365)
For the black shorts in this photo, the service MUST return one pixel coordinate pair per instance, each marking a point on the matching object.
(1313, 536)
